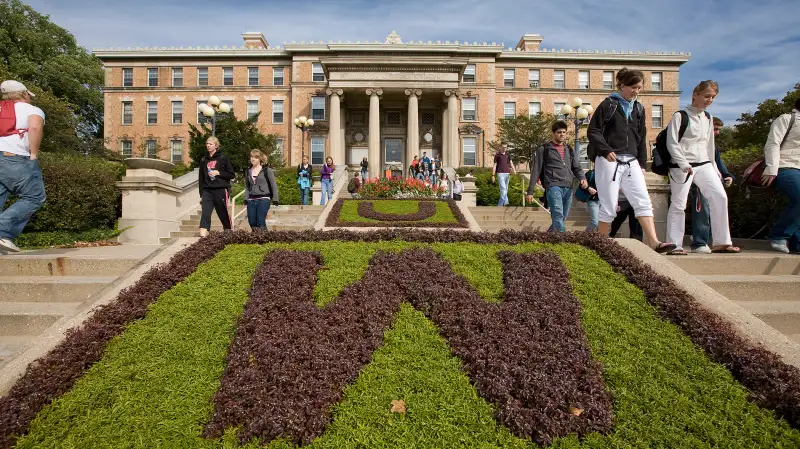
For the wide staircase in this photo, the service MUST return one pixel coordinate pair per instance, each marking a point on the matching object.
(493, 219)
(765, 283)
(280, 218)
(40, 288)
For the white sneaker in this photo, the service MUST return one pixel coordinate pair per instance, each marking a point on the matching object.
(779, 245)
(702, 250)
(9, 246)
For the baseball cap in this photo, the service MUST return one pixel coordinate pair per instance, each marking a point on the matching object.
(10, 86)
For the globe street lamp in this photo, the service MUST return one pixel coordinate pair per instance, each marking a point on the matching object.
(212, 108)
(578, 114)
(302, 123)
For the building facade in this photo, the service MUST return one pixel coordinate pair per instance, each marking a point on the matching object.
(385, 101)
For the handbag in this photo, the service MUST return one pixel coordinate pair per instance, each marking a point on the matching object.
(751, 180)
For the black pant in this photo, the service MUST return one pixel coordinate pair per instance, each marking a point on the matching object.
(627, 212)
(214, 199)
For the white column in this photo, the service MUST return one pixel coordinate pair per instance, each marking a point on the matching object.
(412, 142)
(342, 141)
(445, 137)
(334, 127)
(375, 164)
(452, 133)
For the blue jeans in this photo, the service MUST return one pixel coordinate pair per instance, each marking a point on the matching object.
(502, 181)
(787, 227)
(257, 211)
(560, 200)
(305, 196)
(701, 219)
(327, 189)
(21, 177)
(593, 208)
(433, 180)
(363, 175)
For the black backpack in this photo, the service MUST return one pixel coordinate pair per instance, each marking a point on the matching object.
(590, 151)
(351, 186)
(661, 157)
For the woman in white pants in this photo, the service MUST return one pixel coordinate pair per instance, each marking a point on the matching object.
(618, 135)
(693, 162)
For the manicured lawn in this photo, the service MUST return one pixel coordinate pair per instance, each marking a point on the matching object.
(349, 212)
(154, 386)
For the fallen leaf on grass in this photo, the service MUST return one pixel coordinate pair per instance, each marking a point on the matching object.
(399, 406)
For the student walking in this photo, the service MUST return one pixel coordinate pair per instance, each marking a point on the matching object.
(364, 169)
(692, 155)
(216, 173)
(556, 165)
(261, 190)
(326, 178)
(305, 181)
(618, 136)
(501, 172)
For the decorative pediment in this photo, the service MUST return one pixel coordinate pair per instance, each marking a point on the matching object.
(470, 128)
(393, 38)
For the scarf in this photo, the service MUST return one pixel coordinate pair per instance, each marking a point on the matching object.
(627, 106)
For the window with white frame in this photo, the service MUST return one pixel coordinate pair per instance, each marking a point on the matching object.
(277, 76)
(533, 78)
(152, 112)
(152, 77)
(655, 80)
(318, 108)
(534, 108)
(227, 76)
(127, 148)
(252, 108)
(202, 76)
(316, 72)
(469, 74)
(468, 153)
(658, 113)
(177, 112)
(558, 79)
(127, 112)
(557, 109)
(127, 77)
(317, 150)
(277, 111)
(177, 77)
(508, 77)
(252, 76)
(177, 151)
(608, 80)
(468, 111)
(509, 109)
(583, 79)
(151, 148)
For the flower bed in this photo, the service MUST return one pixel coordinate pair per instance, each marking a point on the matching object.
(396, 213)
(154, 384)
(398, 188)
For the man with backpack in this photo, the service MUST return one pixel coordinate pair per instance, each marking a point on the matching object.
(354, 185)
(782, 170)
(21, 132)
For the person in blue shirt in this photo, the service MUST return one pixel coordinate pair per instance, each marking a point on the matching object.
(701, 219)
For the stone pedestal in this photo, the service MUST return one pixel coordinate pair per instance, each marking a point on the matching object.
(470, 195)
(149, 201)
(658, 188)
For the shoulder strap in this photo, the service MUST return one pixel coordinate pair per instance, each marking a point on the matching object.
(684, 123)
(789, 128)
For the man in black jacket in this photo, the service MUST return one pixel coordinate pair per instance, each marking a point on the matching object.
(556, 166)
(216, 173)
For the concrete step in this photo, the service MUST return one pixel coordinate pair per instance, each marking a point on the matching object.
(11, 345)
(770, 307)
(31, 318)
(786, 323)
(535, 221)
(542, 228)
(748, 262)
(50, 265)
(51, 288)
(755, 288)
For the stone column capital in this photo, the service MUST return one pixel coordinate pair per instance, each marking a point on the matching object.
(370, 91)
(415, 92)
(338, 92)
(451, 92)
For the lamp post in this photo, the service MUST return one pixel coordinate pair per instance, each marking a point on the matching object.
(212, 108)
(578, 114)
(302, 123)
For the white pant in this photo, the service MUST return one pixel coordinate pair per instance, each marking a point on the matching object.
(710, 185)
(610, 177)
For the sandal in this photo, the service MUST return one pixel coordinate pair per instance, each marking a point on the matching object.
(677, 252)
(664, 247)
(729, 249)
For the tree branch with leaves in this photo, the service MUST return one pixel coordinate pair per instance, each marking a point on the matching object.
(524, 135)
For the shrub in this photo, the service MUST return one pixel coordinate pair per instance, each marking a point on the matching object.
(81, 193)
(32, 240)
(398, 188)
(489, 192)
(179, 170)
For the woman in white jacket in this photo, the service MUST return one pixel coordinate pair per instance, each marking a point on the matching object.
(693, 163)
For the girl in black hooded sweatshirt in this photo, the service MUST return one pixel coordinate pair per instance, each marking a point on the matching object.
(216, 173)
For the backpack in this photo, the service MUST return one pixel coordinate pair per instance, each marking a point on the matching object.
(661, 157)
(751, 179)
(8, 119)
(591, 153)
(582, 195)
(351, 186)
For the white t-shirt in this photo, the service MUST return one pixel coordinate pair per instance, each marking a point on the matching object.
(14, 143)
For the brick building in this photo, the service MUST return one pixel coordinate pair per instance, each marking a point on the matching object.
(386, 101)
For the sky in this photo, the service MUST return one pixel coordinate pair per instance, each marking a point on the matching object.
(751, 48)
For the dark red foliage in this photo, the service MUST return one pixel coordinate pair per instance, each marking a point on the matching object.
(54, 374)
(290, 361)
(413, 220)
(427, 209)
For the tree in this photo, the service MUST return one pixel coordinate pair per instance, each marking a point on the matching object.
(524, 135)
(236, 138)
(726, 140)
(66, 79)
(753, 128)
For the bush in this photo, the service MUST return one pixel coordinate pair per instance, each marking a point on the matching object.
(398, 188)
(33, 240)
(489, 192)
(179, 170)
(81, 193)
